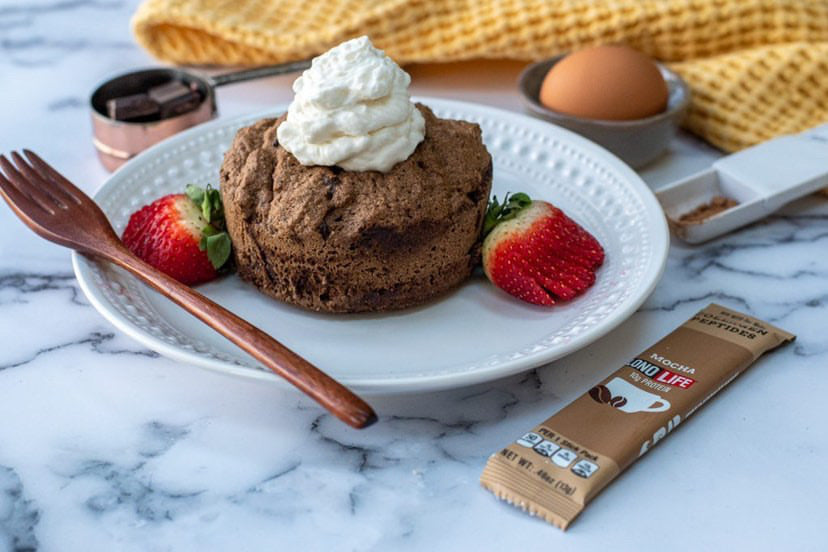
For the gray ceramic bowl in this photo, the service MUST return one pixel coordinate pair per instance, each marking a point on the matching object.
(636, 142)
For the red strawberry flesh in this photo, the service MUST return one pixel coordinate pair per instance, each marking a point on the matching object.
(541, 255)
(166, 234)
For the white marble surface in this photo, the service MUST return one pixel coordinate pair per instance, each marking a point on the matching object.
(106, 446)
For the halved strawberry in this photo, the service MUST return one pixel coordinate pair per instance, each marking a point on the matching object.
(182, 235)
(535, 252)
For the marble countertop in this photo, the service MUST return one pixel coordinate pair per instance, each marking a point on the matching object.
(107, 446)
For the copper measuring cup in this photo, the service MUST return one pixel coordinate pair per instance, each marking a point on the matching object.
(118, 141)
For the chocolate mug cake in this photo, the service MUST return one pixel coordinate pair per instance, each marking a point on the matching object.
(356, 200)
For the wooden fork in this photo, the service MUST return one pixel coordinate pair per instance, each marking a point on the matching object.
(56, 210)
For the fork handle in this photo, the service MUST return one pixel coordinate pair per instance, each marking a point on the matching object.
(325, 390)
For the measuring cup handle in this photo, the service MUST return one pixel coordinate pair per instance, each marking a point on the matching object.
(259, 72)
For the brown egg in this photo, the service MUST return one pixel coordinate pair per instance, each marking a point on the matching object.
(614, 83)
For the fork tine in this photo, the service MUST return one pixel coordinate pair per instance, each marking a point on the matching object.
(25, 187)
(20, 203)
(37, 181)
(47, 172)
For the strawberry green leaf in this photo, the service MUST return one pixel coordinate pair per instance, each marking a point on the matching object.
(218, 248)
(214, 240)
(195, 193)
(519, 199)
(492, 212)
(497, 212)
(209, 201)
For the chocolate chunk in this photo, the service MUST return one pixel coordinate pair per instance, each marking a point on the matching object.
(331, 182)
(169, 92)
(324, 229)
(132, 108)
(174, 98)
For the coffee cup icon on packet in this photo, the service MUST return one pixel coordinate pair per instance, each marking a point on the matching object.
(637, 400)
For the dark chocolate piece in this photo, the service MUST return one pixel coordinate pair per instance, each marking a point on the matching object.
(131, 108)
(175, 98)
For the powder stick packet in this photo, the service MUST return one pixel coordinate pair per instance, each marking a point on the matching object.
(557, 468)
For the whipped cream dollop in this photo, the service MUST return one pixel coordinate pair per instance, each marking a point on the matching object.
(352, 109)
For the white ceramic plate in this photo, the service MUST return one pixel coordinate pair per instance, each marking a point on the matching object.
(474, 334)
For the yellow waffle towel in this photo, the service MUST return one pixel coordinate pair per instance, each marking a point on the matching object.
(757, 68)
